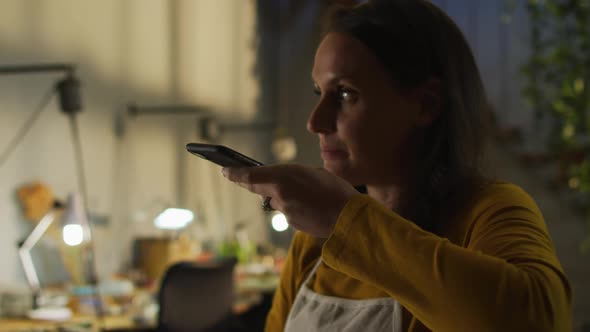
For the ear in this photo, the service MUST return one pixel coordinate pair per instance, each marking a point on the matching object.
(431, 102)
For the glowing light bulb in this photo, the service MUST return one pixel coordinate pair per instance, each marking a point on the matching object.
(73, 235)
(284, 148)
(174, 219)
(279, 222)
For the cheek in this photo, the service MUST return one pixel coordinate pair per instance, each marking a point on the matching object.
(348, 129)
(378, 141)
(360, 135)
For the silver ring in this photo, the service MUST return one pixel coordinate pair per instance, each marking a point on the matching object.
(266, 205)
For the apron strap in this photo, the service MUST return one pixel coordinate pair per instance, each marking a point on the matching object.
(312, 272)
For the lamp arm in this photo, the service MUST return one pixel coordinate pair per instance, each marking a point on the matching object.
(30, 272)
(24, 250)
(134, 110)
(69, 96)
(36, 68)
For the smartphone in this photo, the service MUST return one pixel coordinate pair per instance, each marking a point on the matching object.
(221, 155)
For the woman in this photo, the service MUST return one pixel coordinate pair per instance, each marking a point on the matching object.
(433, 245)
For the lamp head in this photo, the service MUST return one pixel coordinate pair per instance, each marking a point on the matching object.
(75, 229)
(279, 222)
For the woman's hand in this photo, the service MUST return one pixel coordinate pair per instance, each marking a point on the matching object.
(311, 199)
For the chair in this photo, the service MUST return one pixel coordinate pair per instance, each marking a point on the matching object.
(197, 297)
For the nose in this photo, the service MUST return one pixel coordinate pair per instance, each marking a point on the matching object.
(322, 119)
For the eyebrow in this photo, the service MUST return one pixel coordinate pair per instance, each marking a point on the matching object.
(334, 79)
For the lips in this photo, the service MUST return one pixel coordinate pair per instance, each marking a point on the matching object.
(333, 154)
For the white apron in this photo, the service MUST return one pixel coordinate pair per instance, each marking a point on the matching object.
(316, 312)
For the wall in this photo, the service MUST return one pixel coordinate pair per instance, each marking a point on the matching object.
(149, 52)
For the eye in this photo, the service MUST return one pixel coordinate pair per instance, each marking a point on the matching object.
(345, 94)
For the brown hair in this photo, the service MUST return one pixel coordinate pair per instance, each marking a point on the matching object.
(417, 41)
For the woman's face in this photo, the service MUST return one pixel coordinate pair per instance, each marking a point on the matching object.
(365, 124)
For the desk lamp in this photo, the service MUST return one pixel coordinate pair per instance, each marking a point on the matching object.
(75, 231)
(68, 89)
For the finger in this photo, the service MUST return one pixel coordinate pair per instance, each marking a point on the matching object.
(266, 190)
(254, 175)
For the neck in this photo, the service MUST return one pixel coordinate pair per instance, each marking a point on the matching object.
(391, 191)
(388, 195)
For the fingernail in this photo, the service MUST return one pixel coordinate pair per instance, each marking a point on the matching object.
(224, 171)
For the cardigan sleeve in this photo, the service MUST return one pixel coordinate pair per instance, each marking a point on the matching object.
(506, 278)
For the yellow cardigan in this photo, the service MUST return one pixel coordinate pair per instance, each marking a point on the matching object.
(493, 269)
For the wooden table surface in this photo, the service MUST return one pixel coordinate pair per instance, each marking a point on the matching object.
(76, 323)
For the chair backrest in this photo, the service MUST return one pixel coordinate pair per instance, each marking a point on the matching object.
(197, 297)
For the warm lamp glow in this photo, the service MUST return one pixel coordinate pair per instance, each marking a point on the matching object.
(73, 234)
(284, 148)
(174, 219)
(279, 222)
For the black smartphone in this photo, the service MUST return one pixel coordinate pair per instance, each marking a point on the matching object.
(221, 155)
